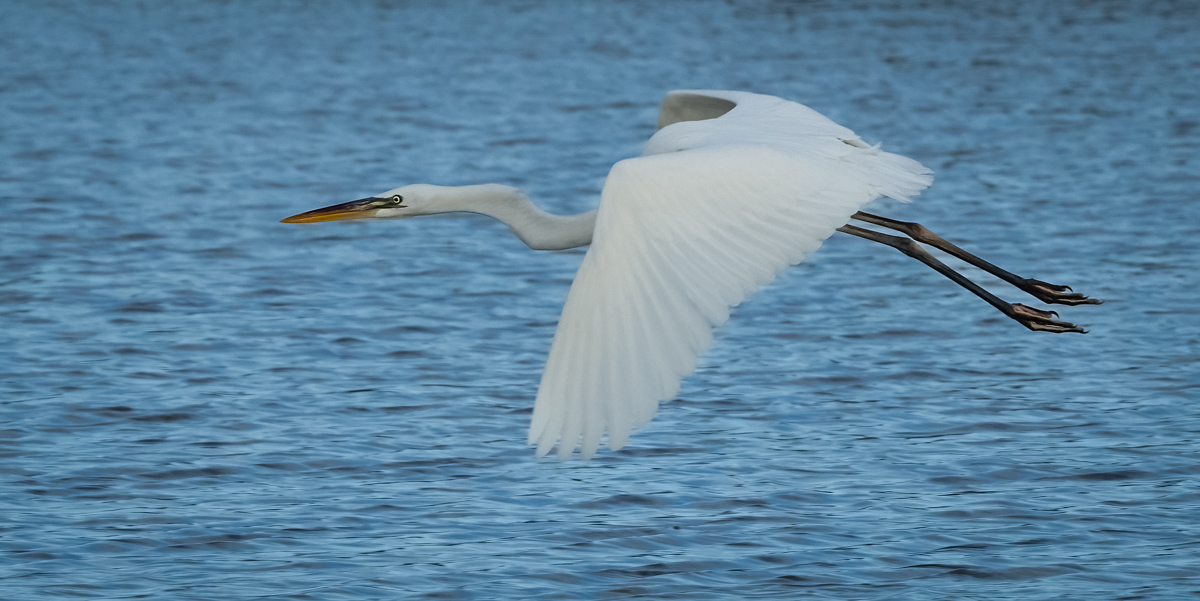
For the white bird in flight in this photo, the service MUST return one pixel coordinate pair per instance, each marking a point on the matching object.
(732, 189)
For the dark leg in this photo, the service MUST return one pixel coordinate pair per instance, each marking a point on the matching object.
(1047, 293)
(1029, 317)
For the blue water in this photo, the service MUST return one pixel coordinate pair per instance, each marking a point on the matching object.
(198, 402)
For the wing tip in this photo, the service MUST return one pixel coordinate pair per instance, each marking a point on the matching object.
(546, 443)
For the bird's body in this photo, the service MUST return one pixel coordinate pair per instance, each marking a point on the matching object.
(733, 188)
(714, 210)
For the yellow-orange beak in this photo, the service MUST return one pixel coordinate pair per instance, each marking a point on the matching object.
(355, 209)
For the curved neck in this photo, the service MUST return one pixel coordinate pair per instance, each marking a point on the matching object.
(536, 228)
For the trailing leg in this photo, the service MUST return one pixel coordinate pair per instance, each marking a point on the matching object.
(1034, 319)
(1047, 293)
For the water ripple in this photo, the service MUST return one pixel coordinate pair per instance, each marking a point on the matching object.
(193, 396)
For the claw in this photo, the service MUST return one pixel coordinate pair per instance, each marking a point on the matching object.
(1052, 293)
(1042, 321)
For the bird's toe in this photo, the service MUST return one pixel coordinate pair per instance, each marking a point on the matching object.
(1042, 321)
(1062, 295)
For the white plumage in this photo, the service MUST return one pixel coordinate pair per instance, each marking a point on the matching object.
(715, 210)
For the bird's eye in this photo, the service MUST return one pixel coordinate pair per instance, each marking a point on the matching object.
(397, 199)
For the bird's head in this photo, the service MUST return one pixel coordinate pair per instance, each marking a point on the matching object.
(399, 203)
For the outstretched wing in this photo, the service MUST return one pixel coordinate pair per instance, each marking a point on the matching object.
(716, 210)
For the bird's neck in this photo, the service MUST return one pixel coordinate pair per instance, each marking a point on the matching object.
(536, 228)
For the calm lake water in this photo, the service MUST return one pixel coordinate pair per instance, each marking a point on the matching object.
(198, 402)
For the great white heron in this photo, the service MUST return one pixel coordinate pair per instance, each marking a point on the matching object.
(732, 189)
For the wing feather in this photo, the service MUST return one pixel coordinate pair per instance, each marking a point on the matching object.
(713, 212)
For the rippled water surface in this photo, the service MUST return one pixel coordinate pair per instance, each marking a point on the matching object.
(198, 402)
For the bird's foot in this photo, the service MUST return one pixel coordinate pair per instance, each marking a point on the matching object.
(1042, 321)
(1051, 293)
